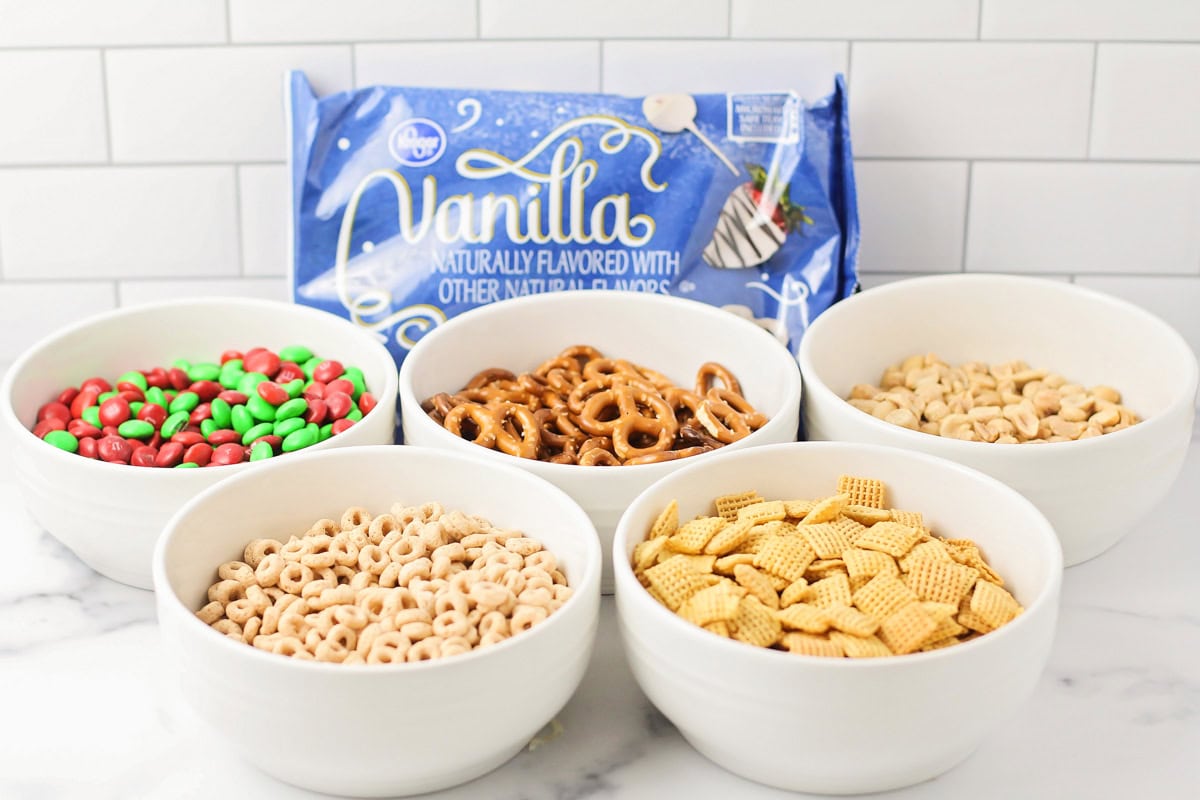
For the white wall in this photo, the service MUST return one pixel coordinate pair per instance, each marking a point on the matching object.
(142, 146)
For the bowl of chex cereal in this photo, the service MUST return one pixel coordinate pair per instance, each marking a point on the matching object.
(1081, 402)
(378, 621)
(836, 618)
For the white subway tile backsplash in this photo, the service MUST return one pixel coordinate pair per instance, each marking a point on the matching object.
(106, 222)
(912, 215)
(1091, 19)
(855, 19)
(869, 280)
(964, 100)
(212, 103)
(586, 19)
(1084, 218)
(1175, 300)
(110, 22)
(1147, 101)
(544, 66)
(137, 292)
(722, 66)
(265, 198)
(53, 104)
(347, 20)
(32, 311)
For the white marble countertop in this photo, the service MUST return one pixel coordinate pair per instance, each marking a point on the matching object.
(87, 711)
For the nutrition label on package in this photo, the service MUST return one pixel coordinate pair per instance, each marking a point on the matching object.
(764, 117)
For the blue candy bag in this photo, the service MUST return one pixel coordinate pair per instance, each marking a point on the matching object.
(410, 206)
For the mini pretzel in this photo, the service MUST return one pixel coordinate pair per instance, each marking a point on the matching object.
(523, 442)
(483, 419)
(712, 371)
(662, 426)
(668, 455)
(727, 416)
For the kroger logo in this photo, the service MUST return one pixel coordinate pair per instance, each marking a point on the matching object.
(417, 142)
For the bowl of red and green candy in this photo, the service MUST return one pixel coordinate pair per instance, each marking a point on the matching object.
(114, 422)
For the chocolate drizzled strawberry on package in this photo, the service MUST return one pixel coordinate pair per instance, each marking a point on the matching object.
(754, 222)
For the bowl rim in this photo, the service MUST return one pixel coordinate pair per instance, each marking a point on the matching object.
(165, 594)
(649, 608)
(791, 377)
(815, 385)
(8, 415)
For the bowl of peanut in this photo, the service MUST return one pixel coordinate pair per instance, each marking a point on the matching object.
(378, 621)
(1082, 402)
(599, 392)
(833, 617)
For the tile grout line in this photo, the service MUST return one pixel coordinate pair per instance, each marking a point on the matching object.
(478, 19)
(239, 233)
(228, 24)
(979, 20)
(1087, 145)
(108, 127)
(600, 46)
(729, 19)
(962, 265)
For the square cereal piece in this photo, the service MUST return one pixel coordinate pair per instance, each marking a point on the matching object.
(831, 591)
(889, 537)
(933, 550)
(868, 563)
(939, 611)
(765, 511)
(728, 505)
(940, 581)
(938, 644)
(826, 540)
(848, 619)
(777, 583)
(720, 628)
(756, 584)
(946, 629)
(754, 540)
(699, 562)
(667, 521)
(883, 595)
(725, 565)
(825, 568)
(729, 538)
(965, 551)
(912, 519)
(826, 510)
(797, 509)
(803, 617)
(755, 624)
(675, 581)
(850, 528)
(994, 605)
(860, 646)
(806, 644)
(692, 536)
(862, 491)
(714, 604)
(785, 556)
(906, 629)
(866, 515)
(795, 592)
(645, 554)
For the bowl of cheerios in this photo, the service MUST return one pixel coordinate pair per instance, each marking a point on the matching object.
(116, 421)
(599, 392)
(1082, 402)
(432, 610)
(834, 617)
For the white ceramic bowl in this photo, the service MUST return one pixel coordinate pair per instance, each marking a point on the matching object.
(812, 724)
(1093, 491)
(374, 729)
(668, 334)
(110, 515)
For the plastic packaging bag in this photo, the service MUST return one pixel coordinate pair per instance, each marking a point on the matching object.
(413, 205)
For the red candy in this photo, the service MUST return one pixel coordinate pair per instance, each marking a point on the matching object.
(263, 361)
(188, 438)
(288, 372)
(340, 385)
(143, 456)
(228, 454)
(272, 392)
(223, 437)
(114, 410)
(200, 413)
(99, 384)
(169, 455)
(87, 447)
(155, 414)
(271, 439)
(341, 426)
(314, 389)
(49, 424)
(158, 378)
(67, 396)
(317, 411)
(56, 410)
(234, 398)
(114, 449)
(366, 401)
(85, 399)
(328, 370)
(199, 454)
(206, 390)
(80, 428)
(230, 355)
(178, 379)
(131, 391)
(338, 404)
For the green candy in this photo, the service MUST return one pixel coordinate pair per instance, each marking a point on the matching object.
(184, 401)
(206, 371)
(356, 377)
(182, 363)
(249, 382)
(354, 414)
(207, 427)
(295, 388)
(260, 409)
(241, 419)
(292, 408)
(100, 399)
(230, 378)
(156, 396)
(260, 451)
(220, 412)
(261, 429)
(136, 429)
(135, 407)
(296, 353)
(298, 440)
(233, 363)
(174, 424)
(62, 440)
(311, 364)
(186, 465)
(284, 427)
(91, 415)
(134, 377)
(326, 431)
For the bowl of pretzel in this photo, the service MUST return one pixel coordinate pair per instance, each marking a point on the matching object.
(602, 393)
